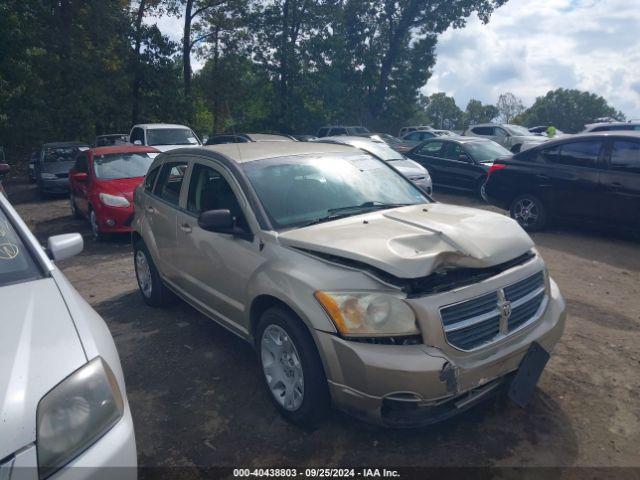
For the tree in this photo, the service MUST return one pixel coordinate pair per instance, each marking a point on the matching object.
(443, 111)
(569, 110)
(477, 113)
(509, 106)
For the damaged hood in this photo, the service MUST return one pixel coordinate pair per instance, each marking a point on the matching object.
(414, 241)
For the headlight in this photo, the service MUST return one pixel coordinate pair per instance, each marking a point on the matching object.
(367, 313)
(113, 200)
(77, 412)
(47, 176)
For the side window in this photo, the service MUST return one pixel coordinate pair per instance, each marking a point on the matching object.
(82, 164)
(499, 132)
(453, 151)
(426, 135)
(137, 134)
(338, 131)
(323, 132)
(208, 190)
(549, 155)
(433, 149)
(413, 137)
(170, 182)
(488, 131)
(150, 179)
(625, 156)
(580, 154)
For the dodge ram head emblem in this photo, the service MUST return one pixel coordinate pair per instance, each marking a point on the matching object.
(504, 307)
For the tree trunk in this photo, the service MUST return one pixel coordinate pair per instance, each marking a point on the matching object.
(186, 49)
(137, 71)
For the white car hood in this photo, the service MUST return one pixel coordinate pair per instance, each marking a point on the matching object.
(39, 347)
(412, 242)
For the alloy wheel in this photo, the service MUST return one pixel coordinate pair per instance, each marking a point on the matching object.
(143, 273)
(525, 212)
(282, 367)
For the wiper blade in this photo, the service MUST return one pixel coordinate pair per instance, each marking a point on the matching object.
(366, 206)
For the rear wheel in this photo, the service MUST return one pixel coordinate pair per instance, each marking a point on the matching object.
(292, 368)
(480, 187)
(528, 210)
(153, 291)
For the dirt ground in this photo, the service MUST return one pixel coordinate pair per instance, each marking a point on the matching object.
(197, 398)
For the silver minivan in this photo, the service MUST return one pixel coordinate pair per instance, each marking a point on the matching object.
(356, 288)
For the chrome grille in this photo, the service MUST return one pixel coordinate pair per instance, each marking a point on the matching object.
(473, 323)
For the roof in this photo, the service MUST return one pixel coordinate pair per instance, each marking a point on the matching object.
(248, 152)
(459, 139)
(268, 137)
(65, 144)
(582, 136)
(112, 135)
(146, 126)
(124, 148)
(348, 139)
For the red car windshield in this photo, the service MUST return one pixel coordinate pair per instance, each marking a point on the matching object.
(121, 165)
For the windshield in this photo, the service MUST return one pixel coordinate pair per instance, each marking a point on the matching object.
(517, 130)
(171, 136)
(121, 165)
(302, 190)
(485, 152)
(62, 154)
(16, 264)
(378, 149)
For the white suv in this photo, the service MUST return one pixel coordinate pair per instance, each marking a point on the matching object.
(163, 136)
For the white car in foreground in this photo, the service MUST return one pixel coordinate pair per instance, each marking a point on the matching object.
(62, 395)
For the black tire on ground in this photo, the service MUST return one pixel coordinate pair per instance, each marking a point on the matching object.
(154, 293)
(316, 400)
(529, 211)
(95, 228)
(479, 187)
(74, 209)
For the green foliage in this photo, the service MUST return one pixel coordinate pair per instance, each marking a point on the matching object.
(442, 111)
(568, 110)
(509, 107)
(477, 113)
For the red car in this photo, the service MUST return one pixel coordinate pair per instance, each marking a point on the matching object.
(102, 182)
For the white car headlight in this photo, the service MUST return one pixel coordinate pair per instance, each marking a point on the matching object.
(47, 176)
(114, 200)
(76, 413)
(368, 314)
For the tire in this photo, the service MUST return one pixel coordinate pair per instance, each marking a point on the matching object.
(516, 149)
(153, 291)
(529, 211)
(306, 402)
(480, 187)
(95, 228)
(74, 209)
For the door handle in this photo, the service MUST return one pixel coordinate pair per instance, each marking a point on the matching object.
(185, 227)
(151, 210)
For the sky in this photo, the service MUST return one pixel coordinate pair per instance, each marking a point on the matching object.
(532, 46)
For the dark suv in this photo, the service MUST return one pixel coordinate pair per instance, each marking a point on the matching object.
(591, 177)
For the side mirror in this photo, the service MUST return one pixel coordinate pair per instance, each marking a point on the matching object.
(137, 142)
(80, 177)
(221, 221)
(62, 247)
(4, 169)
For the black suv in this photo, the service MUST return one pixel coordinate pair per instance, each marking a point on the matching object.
(590, 177)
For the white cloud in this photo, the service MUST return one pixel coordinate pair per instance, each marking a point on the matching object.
(532, 46)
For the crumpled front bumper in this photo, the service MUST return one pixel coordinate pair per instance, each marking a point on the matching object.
(380, 382)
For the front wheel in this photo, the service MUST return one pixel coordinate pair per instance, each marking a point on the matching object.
(528, 210)
(95, 227)
(74, 208)
(152, 289)
(292, 368)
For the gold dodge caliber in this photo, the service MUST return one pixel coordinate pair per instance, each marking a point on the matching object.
(354, 286)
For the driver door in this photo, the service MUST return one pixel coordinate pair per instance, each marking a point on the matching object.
(215, 268)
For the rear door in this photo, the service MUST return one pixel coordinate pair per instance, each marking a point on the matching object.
(620, 183)
(161, 215)
(215, 267)
(573, 175)
(431, 156)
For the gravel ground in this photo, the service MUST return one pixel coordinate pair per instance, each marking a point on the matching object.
(197, 398)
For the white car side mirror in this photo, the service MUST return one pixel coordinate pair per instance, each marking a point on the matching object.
(62, 247)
